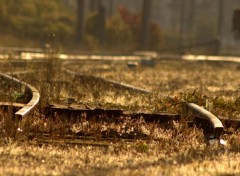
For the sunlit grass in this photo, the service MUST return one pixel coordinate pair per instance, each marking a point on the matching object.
(174, 149)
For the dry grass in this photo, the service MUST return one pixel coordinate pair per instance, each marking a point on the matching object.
(171, 150)
(10, 41)
(176, 156)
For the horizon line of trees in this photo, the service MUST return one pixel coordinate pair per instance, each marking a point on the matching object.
(39, 20)
(144, 37)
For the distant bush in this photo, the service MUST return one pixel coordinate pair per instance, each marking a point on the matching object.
(91, 26)
(135, 23)
(37, 20)
(132, 20)
(118, 32)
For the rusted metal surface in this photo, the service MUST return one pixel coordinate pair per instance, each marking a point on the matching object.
(203, 117)
(112, 114)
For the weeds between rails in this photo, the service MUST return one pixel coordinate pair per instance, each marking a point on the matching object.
(179, 150)
(99, 94)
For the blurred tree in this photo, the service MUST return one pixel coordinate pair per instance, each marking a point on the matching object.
(118, 32)
(182, 25)
(236, 24)
(80, 20)
(146, 13)
(134, 21)
(34, 19)
(110, 5)
(220, 25)
(93, 5)
(101, 21)
(96, 22)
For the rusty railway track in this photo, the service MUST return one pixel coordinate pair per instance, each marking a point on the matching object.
(110, 82)
(30, 90)
(216, 124)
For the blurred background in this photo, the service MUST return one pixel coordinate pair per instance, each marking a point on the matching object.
(123, 26)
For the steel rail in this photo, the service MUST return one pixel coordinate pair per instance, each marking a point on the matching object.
(191, 57)
(19, 72)
(32, 91)
(217, 125)
(111, 82)
(210, 58)
(203, 113)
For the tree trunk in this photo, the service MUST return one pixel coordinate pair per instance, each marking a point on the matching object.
(219, 27)
(101, 22)
(80, 20)
(182, 26)
(145, 29)
(111, 3)
(93, 5)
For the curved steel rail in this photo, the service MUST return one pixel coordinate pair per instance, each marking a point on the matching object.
(114, 83)
(203, 113)
(217, 125)
(33, 92)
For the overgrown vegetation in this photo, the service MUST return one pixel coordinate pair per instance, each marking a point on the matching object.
(172, 149)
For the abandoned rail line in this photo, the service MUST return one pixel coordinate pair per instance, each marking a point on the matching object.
(30, 92)
(206, 118)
